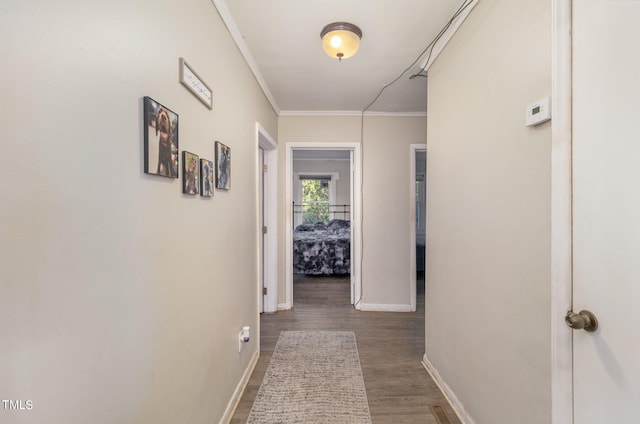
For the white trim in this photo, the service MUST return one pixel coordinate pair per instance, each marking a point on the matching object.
(352, 179)
(240, 388)
(348, 113)
(284, 306)
(335, 176)
(260, 237)
(269, 145)
(446, 37)
(226, 16)
(561, 220)
(322, 159)
(385, 307)
(413, 148)
(451, 397)
(356, 214)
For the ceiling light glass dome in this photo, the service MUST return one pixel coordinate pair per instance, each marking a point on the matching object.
(341, 40)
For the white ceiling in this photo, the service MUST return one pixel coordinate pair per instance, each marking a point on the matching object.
(281, 41)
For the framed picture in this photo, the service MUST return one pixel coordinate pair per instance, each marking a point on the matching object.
(192, 81)
(206, 176)
(223, 166)
(190, 173)
(160, 139)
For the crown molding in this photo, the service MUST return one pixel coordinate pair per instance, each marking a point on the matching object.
(228, 20)
(446, 37)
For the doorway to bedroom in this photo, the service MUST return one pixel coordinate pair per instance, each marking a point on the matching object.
(418, 224)
(323, 244)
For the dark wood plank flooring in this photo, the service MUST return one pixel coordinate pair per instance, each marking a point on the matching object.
(390, 345)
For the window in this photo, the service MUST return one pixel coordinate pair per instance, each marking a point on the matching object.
(315, 200)
(315, 192)
(420, 203)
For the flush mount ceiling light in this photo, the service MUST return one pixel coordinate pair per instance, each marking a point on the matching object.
(341, 40)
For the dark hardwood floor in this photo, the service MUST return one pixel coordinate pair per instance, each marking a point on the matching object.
(390, 345)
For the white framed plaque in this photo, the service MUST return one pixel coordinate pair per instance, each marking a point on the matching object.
(190, 79)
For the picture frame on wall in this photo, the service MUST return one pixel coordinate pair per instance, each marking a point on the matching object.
(190, 173)
(223, 166)
(192, 81)
(160, 139)
(206, 176)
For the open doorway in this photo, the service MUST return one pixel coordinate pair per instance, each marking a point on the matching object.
(323, 223)
(417, 224)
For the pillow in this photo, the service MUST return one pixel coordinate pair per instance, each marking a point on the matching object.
(336, 224)
(319, 226)
(303, 228)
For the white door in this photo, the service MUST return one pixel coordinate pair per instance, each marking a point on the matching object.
(261, 255)
(606, 209)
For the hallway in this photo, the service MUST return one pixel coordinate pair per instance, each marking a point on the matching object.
(390, 345)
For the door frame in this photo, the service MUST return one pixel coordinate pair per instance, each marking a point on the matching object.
(412, 227)
(261, 225)
(356, 215)
(265, 142)
(561, 213)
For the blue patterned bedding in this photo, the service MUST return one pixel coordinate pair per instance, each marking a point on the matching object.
(322, 249)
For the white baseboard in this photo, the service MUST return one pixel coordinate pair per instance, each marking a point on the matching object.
(237, 395)
(451, 397)
(373, 307)
(284, 306)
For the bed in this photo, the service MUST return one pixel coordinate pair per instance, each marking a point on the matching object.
(420, 252)
(322, 249)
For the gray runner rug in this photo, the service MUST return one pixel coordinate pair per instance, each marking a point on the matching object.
(313, 377)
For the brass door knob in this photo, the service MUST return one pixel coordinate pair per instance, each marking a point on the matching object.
(584, 320)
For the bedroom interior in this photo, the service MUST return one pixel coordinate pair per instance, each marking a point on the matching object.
(421, 217)
(321, 215)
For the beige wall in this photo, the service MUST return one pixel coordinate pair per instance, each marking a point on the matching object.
(488, 214)
(122, 298)
(385, 210)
